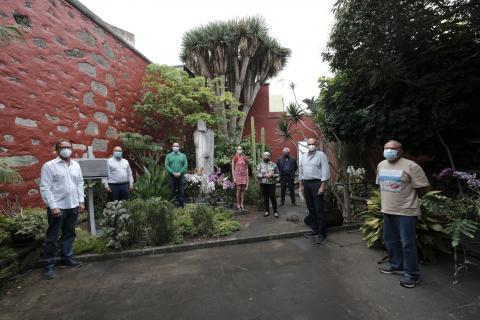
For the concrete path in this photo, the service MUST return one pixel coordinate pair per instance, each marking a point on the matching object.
(282, 279)
(258, 225)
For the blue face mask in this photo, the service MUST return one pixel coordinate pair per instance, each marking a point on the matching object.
(117, 154)
(390, 154)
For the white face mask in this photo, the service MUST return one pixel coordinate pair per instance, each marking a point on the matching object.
(239, 151)
(312, 147)
(65, 152)
(175, 149)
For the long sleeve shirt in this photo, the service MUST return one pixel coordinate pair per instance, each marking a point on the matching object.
(264, 169)
(286, 166)
(120, 172)
(314, 165)
(176, 162)
(61, 184)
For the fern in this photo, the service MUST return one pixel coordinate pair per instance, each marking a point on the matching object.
(459, 228)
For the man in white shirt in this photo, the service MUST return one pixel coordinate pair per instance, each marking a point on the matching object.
(61, 187)
(120, 181)
(313, 173)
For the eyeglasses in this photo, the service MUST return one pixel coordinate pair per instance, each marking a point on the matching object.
(310, 144)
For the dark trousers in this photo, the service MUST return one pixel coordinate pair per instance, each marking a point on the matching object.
(287, 180)
(176, 186)
(315, 206)
(119, 191)
(400, 237)
(60, 233)
(268, 191)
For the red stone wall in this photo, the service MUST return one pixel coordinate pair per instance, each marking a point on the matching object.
(268, 120)
(69, 78)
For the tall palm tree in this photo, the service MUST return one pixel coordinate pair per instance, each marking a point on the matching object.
(239, 52)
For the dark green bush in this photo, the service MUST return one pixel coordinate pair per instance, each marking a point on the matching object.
(137, 229)
(160, 222)
(184, 222)
(202, 217)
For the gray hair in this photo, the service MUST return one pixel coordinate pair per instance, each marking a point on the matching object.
(398, 143)
(286, 149)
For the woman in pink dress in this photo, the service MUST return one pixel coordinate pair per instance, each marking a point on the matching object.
(240, 176)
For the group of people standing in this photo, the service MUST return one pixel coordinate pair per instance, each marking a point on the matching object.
(401, 183)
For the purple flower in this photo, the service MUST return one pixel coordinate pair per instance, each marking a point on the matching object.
(447, 172)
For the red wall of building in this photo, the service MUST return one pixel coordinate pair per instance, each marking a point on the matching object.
(68, 78)
(268, 120)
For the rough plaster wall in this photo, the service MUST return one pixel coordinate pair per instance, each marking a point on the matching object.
(69, 78)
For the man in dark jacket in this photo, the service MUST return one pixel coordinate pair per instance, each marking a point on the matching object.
(287, 167)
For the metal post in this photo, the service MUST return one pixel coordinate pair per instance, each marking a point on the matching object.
(91, 212)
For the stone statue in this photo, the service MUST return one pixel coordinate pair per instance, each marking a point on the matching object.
(204, 145)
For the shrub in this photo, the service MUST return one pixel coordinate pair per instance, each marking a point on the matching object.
(137, 228)
(160, 222)
(29, 225)
(6, 253)
(223, 222)
(115, 222)
(184, 222)
(86, 243)
(202, 217)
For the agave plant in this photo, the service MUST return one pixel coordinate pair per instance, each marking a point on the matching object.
(8, 174)
(152, 183)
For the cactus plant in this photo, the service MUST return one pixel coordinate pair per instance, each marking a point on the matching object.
(262, 139)
(254, 143)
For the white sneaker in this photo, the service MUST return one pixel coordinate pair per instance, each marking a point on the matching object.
(266, 214)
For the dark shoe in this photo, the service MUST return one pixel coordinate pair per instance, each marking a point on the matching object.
(49, 272)
(294, 204)
(309, 234)
(266, 214)
(70, 264)
(282, 204)
(320, 239)
(276, 215)
(409, 283)
(389, 270)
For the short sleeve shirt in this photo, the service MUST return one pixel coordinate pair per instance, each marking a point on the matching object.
(398, 183)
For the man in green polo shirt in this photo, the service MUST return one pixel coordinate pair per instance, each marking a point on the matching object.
(176, 165)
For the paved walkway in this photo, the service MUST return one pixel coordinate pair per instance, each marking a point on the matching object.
(258, 225)
(282, 279)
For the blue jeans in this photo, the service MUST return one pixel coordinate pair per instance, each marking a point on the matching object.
(177, 189)
(64, 225)
(400, 237)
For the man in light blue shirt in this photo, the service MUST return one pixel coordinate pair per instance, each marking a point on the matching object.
(61, 187)
(313, 173)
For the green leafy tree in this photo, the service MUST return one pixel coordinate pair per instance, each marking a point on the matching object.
(406, 70)
(174, 100)
(242, 56)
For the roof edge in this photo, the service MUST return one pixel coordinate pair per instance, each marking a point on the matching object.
(97, 20)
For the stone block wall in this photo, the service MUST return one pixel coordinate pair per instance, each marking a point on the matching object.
(70, 77)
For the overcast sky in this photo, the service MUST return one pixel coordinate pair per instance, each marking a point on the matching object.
(301, 25)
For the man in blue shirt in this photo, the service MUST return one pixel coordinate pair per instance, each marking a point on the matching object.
(313, 173)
